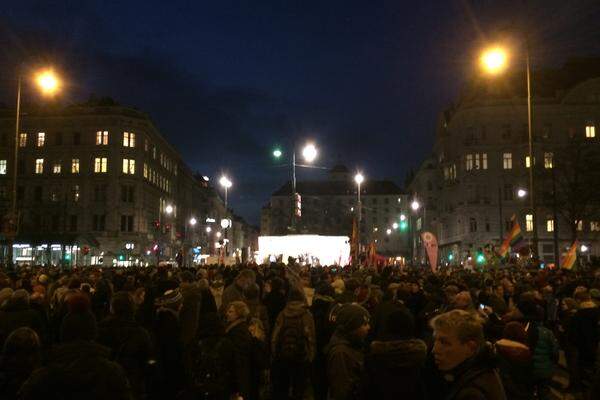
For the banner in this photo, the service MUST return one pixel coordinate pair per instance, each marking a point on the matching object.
(513, 238)
(431, 247)
(569, 259)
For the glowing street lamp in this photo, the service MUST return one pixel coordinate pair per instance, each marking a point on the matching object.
(494, 60)
(395, 225)
(47, 81)
(388, 231)
(193, 221)
(277, 153)
(309, 152)
(402, 217)
(169, 209)
(584, 248)
(415, 205)
(521, 193)
(208, 229)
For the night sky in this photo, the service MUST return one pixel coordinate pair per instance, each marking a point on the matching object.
(225, 81)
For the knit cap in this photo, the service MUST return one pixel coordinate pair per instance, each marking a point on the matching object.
(350, 317)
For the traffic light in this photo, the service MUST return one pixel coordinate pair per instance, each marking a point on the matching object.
(403, 226)
(121, 257)
(277, 153)
(156, 224)
(480, 258)
(450, 257)
(68, 257)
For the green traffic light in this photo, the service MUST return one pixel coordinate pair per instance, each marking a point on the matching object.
(450, 257)
(121, 257)
(403, 225)
(277, 153)
(480, 258)
(67, 257)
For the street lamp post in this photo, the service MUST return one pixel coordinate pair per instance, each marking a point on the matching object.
(359, 179)
(415, 205)
(48, 83)
(494, 61)
(192, 222)
(226, 183)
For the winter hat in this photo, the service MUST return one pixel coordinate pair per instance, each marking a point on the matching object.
(350, 317)
(399, 324)
(171, 298)
(43, 279)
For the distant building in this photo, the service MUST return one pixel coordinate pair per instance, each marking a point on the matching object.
(98, 184)
(329, 206)
(480, 162)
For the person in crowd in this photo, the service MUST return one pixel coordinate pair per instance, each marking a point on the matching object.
(464, 358)
(516, 362)
(21, 355)
(243, 354)
(257, 309)
(275, 297)
(235, 291)
(395, 360)
(345, 355)
(79, 367)
(321, 307)
(293, 348)
(130, 343)
(189, 315)
(17, 313)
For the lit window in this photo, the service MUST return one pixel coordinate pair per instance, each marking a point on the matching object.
(146, 145)
(100, 164)
(484, 161)
(75, 166)
(154, 152)
(550, 225)
(145, 171)
(128, 166)
(41, 139)
(507, 161)
(102, 138)
(528, 161)
(76, 193)
(2, 167)
(529, 222)
(579, 225)
(595, 226)
(590, 131)
(56, 168)
(469, 162)
(128, 139)
(39, 166)
(548, 160)
(22, 139)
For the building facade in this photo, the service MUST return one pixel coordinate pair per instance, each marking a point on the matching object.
(328, 207)
(478, 172)
(98, 184)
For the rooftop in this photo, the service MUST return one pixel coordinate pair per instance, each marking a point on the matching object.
(339, 188)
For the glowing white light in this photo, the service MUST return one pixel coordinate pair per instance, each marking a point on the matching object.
(309, 152)
(584, 248)
(208, 229)
(395, 225)
(225, 182)
(328, 250)
(521, 193)
(359, 178)
(402, 217)
(415, 205)
(169, 209)
(193, 221)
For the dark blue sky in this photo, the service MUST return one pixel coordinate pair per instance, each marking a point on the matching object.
(226, 80)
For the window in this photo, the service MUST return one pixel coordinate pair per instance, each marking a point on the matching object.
(100, 165)
(100, 193)
(579, 225)
(507, 160)
(529, 222)
(595, 226)
(73, 223)
(39, 166)
(128, 166)
(472, 225)
(99, 222)
(76, 193)
(590, 131)
(469, 162)
(548, 158)
(528, 161)
(75, 166)
(484, 161)
(146, 145)
(126, 223)
(56, 168)
(509, 192)
(506, 132)
(128, 139)
(154, 152)
(102, 138)
(22, 139)
(2, 167)
(41, 139)
(127, 193)
(145, 170)
(550, 225)
(54, 195)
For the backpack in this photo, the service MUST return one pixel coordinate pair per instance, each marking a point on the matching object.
(292, 344)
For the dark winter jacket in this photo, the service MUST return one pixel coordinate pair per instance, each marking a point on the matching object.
(17, 315)
(345, 364)
(320, 309)
(296, 309)
(381, 314)
(476, 379)
(245, 357)
(189, 315)
(78, 370)
(545, 353)
(583, 334)
(515, 361)
(393, 370)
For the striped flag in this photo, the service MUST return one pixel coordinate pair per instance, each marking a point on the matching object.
(569, 259)
(513, 238)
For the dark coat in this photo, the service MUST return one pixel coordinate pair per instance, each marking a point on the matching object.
(78, 370)
(583, 334)
(393, 370)
(476, 379)
(189, 316)
(345, 363)
(515, 361)
(381, 314)
(245, 357)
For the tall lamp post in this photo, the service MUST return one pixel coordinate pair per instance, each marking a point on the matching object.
(494, 61)
(191, 222)
(226, 184)
(359, 179)
(309, 153)
(414, 205)
(48, 83)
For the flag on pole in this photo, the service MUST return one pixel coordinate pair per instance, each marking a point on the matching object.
(431, 247)
(354, 245)
(569, 259)
(513, 238)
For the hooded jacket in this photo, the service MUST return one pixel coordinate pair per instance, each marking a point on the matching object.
(345, 363)
(393, 370)
(296, 309)
(476, 378)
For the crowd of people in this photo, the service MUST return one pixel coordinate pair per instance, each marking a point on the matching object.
(298, 332)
